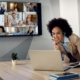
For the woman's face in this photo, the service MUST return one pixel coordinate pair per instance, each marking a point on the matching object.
(30, 28)
(29, 17)
(57, 34)
(1, 30)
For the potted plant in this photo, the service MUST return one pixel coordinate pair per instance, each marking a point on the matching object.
(14, 58)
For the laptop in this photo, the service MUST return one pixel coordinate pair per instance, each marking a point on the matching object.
(47, 60)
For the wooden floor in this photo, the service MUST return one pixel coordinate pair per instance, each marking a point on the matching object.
(24, 71)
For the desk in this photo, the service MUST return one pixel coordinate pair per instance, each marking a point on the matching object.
(24, 71)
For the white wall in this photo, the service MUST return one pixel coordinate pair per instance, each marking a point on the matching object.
(79, 15)
(69, 11)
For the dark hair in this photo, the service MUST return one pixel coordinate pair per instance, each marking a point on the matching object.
(62, 24)
(31, 3)
(2, 28)
(17, 28)
(14, 13)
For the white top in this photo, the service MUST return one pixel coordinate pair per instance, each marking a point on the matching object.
(14, 22)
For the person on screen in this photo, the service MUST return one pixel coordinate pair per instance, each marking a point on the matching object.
(2, 9)
(20, 23)
(64, 39)
(32, 8)
(2, 31)
(30, 20)
(30, 31)
(15, 8)
(14, 21)
(17, 31)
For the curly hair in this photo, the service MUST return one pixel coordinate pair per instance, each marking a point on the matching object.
(62, 24)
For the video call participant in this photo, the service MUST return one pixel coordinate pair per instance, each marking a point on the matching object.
(14, 21)
(17, 31)
(32, 8)
(30, 20)
(2, 9)
(64, 39)
(20, 23)
(2, 31)
(30, 31)
(15, 8)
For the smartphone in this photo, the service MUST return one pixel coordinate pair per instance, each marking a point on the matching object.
(64, 76)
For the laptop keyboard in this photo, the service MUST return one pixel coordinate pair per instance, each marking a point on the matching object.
(66, 68)
(76, 64)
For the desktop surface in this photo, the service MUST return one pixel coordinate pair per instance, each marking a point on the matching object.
(24, 71)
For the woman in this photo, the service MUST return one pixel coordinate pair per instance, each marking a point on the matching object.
(64, 39)
(30, 20)
(30, 31)
(15, 8)
(2, 31)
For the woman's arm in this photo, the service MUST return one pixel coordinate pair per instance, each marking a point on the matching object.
(76, 42)
(57, 46)
(66, 59)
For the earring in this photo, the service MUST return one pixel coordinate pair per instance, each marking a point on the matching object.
(64, 33)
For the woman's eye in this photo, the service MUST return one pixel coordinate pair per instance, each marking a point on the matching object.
(53, 33)
(58, 33)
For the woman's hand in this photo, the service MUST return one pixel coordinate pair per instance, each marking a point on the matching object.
(56, 45)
